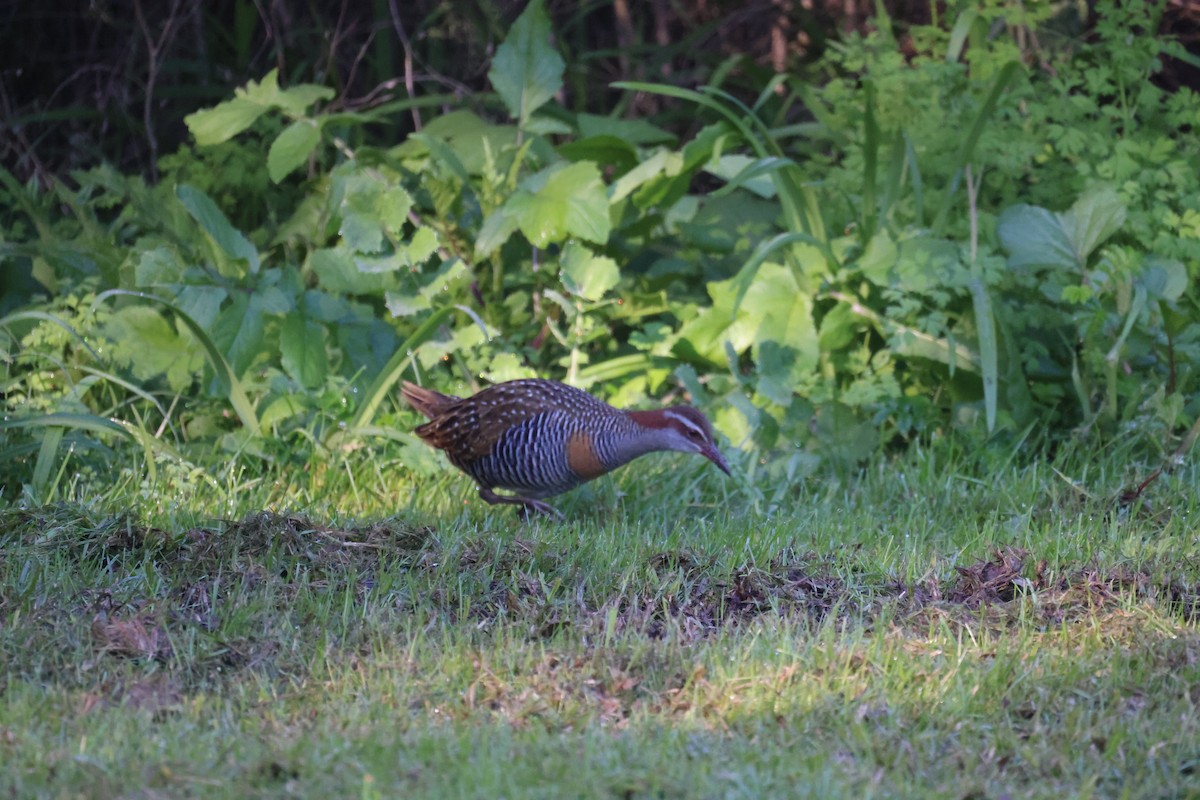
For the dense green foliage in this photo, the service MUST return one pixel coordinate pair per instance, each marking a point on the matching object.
(971, 239)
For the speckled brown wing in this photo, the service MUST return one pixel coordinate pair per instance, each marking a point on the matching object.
(469, 428)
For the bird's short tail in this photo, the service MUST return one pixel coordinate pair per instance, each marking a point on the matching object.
(426, 401)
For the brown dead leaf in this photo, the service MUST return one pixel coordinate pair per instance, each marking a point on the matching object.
(133, 637)
(990, 581)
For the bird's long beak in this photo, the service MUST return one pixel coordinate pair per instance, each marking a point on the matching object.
(714, 455)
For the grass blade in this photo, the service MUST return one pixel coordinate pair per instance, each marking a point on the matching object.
(986, 322)
(1003, 79)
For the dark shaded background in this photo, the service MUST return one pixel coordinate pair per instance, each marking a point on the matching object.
(106, 80)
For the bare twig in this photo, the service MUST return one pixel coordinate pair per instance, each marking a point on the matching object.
(153, 49)
(409, 85)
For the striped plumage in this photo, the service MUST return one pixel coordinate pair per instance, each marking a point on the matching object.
(538, 438)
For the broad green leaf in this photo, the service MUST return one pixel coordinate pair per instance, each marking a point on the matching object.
(1096, 215)
(742, 171)
(839, 327)
(229, 382)
(239, 330)
(405, 305)
(302, 350)
(562, 201)
(775, 310)
(918, 263)
(496, 230)
(223, 121)
(202, 209)
(283, 408)
(662, 162)
(291, 148)
(151, 347)
(338, 273)
(1164, 279)
(201, 303)
(1034, 237)
(632, 131)
(275, 300)
(777, 372)
(228, 119)
(450, 274)
(158, 267)
(507, 367)
(465, 136)
(542, 125)
(772, 309)
(526, 71)
(324, 307)
(602, 150)
(295, 100)
(587, 275)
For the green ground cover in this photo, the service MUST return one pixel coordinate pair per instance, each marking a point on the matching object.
(917, 632)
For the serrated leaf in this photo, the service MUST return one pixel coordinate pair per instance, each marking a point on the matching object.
(371, 209)
(587, 275)
(291, 148)
(526, 71)
(507, 367)
(423, 244)
(302, 351)
(202, 209)
(226, 120)
(560, 202)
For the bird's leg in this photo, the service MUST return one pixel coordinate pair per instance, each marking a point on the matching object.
(528, 505)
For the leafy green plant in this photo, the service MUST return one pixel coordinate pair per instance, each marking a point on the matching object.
(822, 265)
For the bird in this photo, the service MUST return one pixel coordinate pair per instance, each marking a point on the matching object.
(538, 438)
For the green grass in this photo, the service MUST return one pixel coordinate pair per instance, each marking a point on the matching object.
(927, 631)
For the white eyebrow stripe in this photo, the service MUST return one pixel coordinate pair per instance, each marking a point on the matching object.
(687, 422)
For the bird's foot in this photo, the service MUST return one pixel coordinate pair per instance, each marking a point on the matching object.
(527, 506)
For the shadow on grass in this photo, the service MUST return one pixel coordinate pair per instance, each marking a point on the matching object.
(267, 591)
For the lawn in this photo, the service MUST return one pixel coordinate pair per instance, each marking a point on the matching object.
(920, 630)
